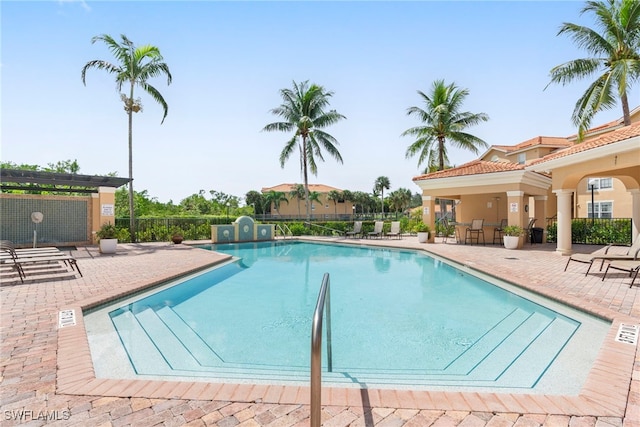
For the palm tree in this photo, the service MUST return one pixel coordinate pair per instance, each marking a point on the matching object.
(399, 199)
(382, 183)
(303, 112)
(442, 120)
(314, 196)
(615, 60)
(298, 192)
(347, 196)
(275, 198)
(335, 196)
(134, 67)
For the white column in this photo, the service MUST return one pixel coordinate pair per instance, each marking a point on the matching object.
(429, 215)
(635, 213)
(563, 247)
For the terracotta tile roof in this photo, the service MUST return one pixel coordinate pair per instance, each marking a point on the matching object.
(285, 188)
(475, 167)
(617, 135)
(553, 141)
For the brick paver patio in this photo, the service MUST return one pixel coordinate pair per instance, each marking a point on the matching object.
(47, 377)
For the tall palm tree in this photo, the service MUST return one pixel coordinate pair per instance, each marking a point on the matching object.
(382, 183)
(298, 192)
(134, 67)
(335, 196)
(615, 59)
(443, 121)
(304, 113)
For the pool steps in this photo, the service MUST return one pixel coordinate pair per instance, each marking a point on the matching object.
(162, 340)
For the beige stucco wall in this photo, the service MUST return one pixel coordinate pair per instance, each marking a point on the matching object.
(95, 203)
(618, 195)
(325, 209)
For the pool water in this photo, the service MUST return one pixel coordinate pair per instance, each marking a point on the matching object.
(398, 318)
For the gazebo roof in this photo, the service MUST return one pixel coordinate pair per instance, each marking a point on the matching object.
(21, 179)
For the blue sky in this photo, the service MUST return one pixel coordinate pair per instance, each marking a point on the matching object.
(230, 59)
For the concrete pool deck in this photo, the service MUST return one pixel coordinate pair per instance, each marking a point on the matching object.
(47, 373)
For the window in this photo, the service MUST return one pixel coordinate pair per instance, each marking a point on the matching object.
(522, 158)
(600, 183)
(602, 210)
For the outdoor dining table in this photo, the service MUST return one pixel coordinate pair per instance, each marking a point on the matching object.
(460, 228)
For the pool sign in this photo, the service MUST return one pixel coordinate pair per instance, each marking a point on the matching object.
(627, 334)
(513, 207)
(66, 318)
(107, 210)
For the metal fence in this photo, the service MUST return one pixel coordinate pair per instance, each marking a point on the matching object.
(595, 231)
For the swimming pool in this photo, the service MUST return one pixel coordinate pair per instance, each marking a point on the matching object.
(400, 318)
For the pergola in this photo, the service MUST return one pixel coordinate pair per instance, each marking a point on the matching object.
(21, 179)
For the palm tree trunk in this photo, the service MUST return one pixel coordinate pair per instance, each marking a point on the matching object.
(440, 153)
(626, 115)
(132, 223)
(306, 176)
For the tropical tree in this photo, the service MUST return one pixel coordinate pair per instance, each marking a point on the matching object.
(347, 196)
(362, 199)
(615, 59)
(314, 196)
(255, 199)
(304, 113)
(399, 199)
(133, 68)
(443, 121)
(381, 183)
(335, 196)
(275, 198)
(298, 192)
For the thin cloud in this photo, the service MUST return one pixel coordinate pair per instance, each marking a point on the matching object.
(82, 3)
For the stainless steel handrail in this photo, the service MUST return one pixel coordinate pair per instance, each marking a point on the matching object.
(309, 224)
(316, 349)
(284, 229)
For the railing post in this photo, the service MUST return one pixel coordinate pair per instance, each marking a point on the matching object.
(316, 350)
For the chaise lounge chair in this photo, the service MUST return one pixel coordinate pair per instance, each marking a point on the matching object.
(377, 230)
(632, 253)
(630, 266)
(395, 230)
(19, 258)
(357, 230)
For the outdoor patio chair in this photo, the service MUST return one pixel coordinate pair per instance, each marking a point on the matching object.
(631, 254)
(446, 230)
(632, 267)
(377, 230)
(395, 230)
(474, 230)
(357, 230)
(528, 231)
(498, 232)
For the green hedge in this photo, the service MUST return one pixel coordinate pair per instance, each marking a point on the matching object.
(596, 232)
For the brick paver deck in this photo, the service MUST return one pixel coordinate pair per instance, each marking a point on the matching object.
(47, 376)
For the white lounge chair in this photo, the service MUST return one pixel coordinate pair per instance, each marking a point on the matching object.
(357, 230)
(395, 230)
(632, 253)
(630, 266)
(377, 230)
